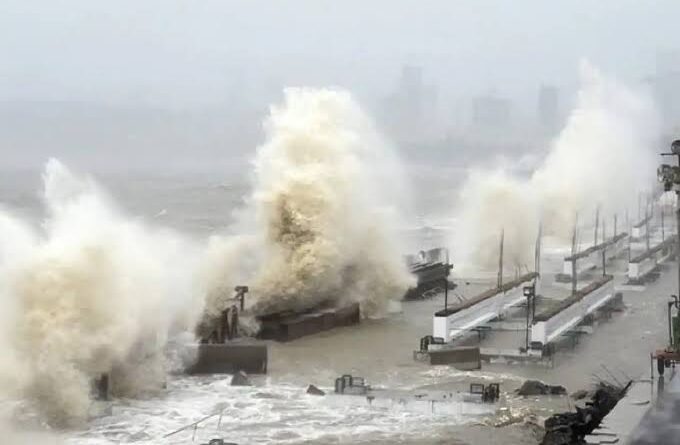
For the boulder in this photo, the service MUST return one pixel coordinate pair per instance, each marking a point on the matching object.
(581, 394)
(240, 379)
(572, 427)
(536, 388)
(313, 390)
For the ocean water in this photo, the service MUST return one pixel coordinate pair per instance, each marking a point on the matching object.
(277, 409)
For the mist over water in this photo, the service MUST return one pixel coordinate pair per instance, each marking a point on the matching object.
(604, 156)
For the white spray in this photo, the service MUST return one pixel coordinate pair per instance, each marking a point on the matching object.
(604, 156)
(325, 193)
(93, 291)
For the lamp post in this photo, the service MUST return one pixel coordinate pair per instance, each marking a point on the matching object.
(530, 293)
(449, 266)
(241, 292)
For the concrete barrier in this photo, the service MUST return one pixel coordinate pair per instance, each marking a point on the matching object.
(642, 265)
(287, 327)
(465, 358)
(228, 358)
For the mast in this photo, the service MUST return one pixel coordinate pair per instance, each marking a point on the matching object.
(597, 223)
(500, 261)
(615, 221)
(573, 260)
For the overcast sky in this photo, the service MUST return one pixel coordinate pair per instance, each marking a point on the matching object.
(188, 82)
(188, 53)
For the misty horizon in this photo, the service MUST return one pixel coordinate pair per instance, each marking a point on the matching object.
(187, 86)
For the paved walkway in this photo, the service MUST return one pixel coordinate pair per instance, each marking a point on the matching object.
(642, 416)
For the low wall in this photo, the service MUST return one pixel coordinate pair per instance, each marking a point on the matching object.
(466, 358)
(231, 357)
(287, 327)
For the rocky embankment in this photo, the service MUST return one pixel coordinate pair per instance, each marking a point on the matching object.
(572, 427)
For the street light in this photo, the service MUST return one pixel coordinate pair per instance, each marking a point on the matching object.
(675, 147)
(530, 293)
(665, 175)
(241, 292)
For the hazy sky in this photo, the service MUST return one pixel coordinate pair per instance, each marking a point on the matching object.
(188, 82)
(187, 53)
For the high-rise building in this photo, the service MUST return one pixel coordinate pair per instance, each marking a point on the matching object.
(548, 107)
(411, 82)
(491, 111)
(410, 109)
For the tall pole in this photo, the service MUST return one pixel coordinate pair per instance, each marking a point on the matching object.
(500, 261)
(597, 223)
(573, 236)
(446, 282)
(526, 332)
(604, 249)
(537, 269)
(615, 221)
(646, 220)
(639, 206)
(573, 260)
(629, 229)
(573, 277)
(646, 230)
(537, 251)
(663, 229)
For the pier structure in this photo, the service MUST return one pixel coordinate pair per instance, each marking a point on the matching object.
(640, 229)
(454, 322)
(562, 318)
(580, 264)
(223, 350)
(645, 264)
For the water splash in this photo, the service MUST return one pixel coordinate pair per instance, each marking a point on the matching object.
(323, 208)
(92, 291)
(604, 156)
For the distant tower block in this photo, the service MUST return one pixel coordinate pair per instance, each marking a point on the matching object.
(548, 107)
(490, 111)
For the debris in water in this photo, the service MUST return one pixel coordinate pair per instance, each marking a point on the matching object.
(313, 390)
(536, 388)
(240, 379)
